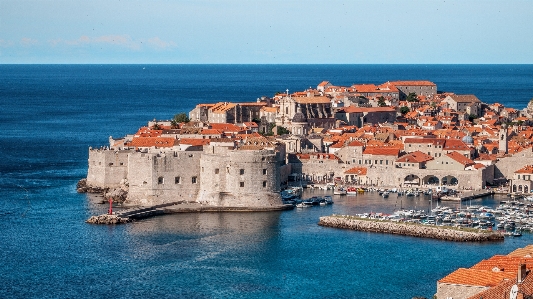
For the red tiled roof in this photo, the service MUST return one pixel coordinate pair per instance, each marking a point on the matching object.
(352, 109)
(456, 145)
(357, 170)
(525, 169)
(413, 83)
(382, 151)
(415, 157)
(474, 277)
(194, 141)
(460, 158)
(153, 141)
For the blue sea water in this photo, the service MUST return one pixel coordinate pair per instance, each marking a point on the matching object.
(51, 114)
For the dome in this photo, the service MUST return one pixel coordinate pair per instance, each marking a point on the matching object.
(299, 117)
(468, 139)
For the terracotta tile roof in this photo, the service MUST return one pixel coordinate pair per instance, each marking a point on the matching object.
(323, 83)
(152, 141)
(355, 143)
(352, 109)
(194, 141)
(337, 145)
(312, 100)
(225, 127)
(504, 263)
(357, 170)
(460, 158)
(467, 98)
(525, 169)
(381, 151)
(270, 109)
(522, 252)
(317, 156)
(415, 157)
(211, 132)
(456, 145)
(434, 141)
(474, 277)
(413, 83)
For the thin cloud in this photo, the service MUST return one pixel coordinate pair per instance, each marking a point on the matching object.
(28, 42)
(6, 43)
(121, 41)
(161, 44)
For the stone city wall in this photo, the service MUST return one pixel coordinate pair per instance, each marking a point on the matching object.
(107, 168)
(240, 178)
(156, 178)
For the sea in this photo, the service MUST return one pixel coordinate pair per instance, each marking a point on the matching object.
(51, 114)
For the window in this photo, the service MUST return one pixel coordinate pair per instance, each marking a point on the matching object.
(264, 171)
(241, 171)
(386, 162)
(216, 170)
(264, 184)
(194, 180)
(121, 163)
(160, 180)
(241, 184)
(380, 161)
(177, 180)
(110, 164)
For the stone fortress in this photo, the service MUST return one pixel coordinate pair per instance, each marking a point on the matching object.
(230, 155)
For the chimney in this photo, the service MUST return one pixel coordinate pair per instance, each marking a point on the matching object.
(521, 273)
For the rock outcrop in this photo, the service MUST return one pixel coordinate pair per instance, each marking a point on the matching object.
(409, 229)
(107, 219)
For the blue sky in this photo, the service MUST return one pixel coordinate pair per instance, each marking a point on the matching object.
(266, 32)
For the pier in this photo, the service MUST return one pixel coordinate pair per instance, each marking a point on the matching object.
(138, 213)
(410, 229)
(467, 195)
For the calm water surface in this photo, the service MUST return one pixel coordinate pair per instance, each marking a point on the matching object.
(51, 114)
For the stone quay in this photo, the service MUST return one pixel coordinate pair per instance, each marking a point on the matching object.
(409, 229)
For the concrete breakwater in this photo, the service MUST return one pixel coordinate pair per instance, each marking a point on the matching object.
(409, 229)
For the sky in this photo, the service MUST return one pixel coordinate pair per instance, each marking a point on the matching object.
(266, 32)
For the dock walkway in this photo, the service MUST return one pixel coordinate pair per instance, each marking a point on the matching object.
(467, 195)
(138, 213)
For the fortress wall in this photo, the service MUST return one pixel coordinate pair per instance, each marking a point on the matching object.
(390, 176)
(161, 178)
(107, 168)
(506, 166)
(223, 183)
(314, 168)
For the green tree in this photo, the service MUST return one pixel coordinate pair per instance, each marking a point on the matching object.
(156, 126)
(181, 118)
(404, 110)
(411, 97)
(381, 102)
(282, 131)
(471, 117)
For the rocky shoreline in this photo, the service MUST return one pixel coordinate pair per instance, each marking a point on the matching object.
(409, 229)
(118, 195)
(107, 219)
